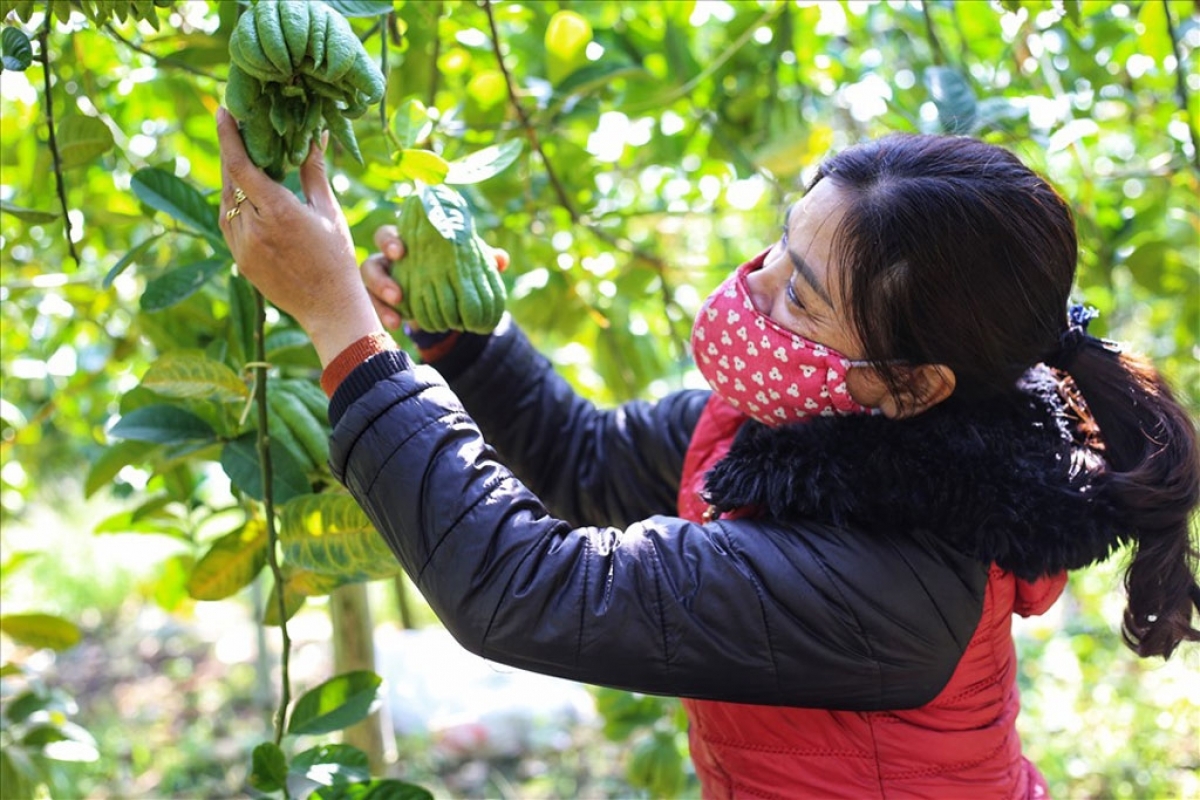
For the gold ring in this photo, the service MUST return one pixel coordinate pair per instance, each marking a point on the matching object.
(239, 196)
(233, 212)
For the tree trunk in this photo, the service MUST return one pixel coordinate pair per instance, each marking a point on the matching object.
(354, 649)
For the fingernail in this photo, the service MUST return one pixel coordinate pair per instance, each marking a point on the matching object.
(324, 140)
(392, 296)
(221, 114)
(393, 250)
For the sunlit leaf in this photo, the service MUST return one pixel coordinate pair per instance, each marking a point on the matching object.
(411, 122)
(269, 768)
(180, 283)
(361, 8)
(448, 213)
(31, 215)
(161, 424)
(41, 630)
(337, 703)
(164, 192)
(233, 561)
(330, 533)
(188, 374)
(81, 140)
(422, 165)
(377, 789)
(332, 765)
(483, 164)
(16, 53)
(130, 257)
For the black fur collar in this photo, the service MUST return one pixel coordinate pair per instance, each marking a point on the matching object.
(1001, 481)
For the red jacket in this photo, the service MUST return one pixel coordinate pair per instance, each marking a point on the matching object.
(962, 744)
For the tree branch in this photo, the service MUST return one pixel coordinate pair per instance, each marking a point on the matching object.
(1181, 86)
(939, 55)
(564, 200)
(161, 60)
(268, 477)
(44, 41)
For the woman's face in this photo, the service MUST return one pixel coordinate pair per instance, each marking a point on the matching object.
(799, 285)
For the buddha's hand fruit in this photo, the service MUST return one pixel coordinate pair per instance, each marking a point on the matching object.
(297, 69)
(447, 284)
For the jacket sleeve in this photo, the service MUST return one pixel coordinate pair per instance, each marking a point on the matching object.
(738, 611)
(590, 466)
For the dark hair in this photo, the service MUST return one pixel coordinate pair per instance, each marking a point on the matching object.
(956, 253)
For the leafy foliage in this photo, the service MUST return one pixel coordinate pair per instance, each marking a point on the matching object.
(626, 155)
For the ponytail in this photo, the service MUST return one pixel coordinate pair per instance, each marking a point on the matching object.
(1150, 447)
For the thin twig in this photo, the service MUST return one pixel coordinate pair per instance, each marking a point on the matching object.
(564, 200)
(939, 56)
(1181, 86)
(268, 477)
(163, 60)
(44, 41)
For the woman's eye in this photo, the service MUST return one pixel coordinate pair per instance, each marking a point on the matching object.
(792, 297)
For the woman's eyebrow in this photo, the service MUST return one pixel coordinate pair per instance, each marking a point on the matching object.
(799, 264)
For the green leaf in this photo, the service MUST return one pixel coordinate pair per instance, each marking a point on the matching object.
(332, 765)
(163, 192)
(190, 374)
(81, 140)
(15, 51)
(448, 213)
(953, 97)
(269, 768)
(337, 703)
(329, 533)
(114, 458)
(483, 164)
(377, 789)
(422, 165)
(411, 122)
(41, 630)
(233, 561)
(17, 774)
(592, 76)
(128, 259)
(179, 284)
(567, 37)
(161, 424)
(361, 8)
(241, 319)
(30, 215)
(239, 459)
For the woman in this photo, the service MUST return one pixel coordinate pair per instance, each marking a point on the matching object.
(822, 555)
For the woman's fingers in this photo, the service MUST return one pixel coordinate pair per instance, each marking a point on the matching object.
(377, 277)
(388, 240)
(314, 180)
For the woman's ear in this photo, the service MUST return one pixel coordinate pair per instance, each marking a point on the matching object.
(924, 387)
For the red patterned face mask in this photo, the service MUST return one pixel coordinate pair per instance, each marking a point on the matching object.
(761, 368)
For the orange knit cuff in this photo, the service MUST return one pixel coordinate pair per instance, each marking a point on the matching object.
(358, 352)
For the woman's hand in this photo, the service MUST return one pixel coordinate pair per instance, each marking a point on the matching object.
(377, 277)
(299, 255)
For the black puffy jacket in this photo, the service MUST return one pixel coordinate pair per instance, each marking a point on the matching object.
(540, 529)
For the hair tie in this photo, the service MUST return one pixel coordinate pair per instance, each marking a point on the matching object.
(1071, 339)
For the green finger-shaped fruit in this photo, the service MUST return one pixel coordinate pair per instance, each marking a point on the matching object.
(308, 430)
(294, 20)
(366, 77)
(341, 48)
(309, 394)
(245, 51)
(270, 35)
(281, 433)
(318, 23)
(445, 283)
(343, 133)
(242, 92)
